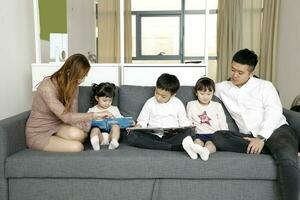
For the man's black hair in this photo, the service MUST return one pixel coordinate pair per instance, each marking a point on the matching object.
(246, 57)
(168, 82)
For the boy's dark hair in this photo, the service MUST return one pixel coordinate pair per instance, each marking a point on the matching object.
(246, 57)
(104, 89)
(204, 84)
(168, 82)
(296, 108)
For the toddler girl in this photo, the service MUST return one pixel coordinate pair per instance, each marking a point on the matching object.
(208, 116)
(102, 97)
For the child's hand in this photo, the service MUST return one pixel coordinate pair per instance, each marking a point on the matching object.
(138, 126)
(108, 114)
(101, 115)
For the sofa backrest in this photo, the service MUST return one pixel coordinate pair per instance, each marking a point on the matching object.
(130, 100)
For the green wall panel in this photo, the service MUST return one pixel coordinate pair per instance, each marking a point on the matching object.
(53, 17)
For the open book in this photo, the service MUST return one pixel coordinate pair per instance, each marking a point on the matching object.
(123, 122)
(168, 130)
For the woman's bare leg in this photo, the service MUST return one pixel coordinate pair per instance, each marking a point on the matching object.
(71, 133)
(67, 139)
(58, 144)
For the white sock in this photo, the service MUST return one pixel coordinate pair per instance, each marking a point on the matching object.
(95, 143)
(113, 144)
(187, 142)
(202, 151)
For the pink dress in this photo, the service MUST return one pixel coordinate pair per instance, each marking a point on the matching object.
(47, 116)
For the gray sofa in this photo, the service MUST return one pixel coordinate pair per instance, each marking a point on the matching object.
(129, 172)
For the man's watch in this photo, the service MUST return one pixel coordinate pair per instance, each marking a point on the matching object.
(262, 138)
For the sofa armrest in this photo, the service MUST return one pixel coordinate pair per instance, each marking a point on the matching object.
(293, 118)
(12, 139)
(12, 135)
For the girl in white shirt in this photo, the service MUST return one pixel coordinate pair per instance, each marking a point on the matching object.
(208, 116)
(102, 98)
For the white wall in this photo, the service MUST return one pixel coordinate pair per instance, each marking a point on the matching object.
(81, 13)
(288, 74)
(16, 55)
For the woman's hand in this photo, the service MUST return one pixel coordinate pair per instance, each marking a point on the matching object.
(102, 115)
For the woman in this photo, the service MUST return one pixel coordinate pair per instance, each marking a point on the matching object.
(54, 123)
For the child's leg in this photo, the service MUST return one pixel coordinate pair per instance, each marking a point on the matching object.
(181, 141)
(199, 147)
(176, 139)
(210, 146)
(147, 140)
(198, 141)
(114, 137)
(95, 138)
(187, 144)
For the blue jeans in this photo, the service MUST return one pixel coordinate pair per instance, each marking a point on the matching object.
(282, 145)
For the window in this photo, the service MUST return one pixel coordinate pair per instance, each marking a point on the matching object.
(173, 30)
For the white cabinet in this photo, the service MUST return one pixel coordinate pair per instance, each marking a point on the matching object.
(147, 75)
(98, 73)
(128, 74)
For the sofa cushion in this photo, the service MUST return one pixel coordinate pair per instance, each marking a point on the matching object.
(135, 163)
(132, 99)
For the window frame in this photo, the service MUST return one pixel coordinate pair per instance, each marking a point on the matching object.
(168, 13)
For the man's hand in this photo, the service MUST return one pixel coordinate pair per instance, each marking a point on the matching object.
(255, 146)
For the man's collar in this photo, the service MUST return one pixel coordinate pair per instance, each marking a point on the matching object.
(251, 79)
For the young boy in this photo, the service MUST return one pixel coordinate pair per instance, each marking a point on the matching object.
(163, 110)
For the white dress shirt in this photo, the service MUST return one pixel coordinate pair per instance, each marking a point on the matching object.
(207, 118)
(255, 107)
(170, 114)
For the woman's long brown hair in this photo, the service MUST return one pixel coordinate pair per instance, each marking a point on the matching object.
(67, 77)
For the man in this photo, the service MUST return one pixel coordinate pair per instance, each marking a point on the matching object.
(255, 106)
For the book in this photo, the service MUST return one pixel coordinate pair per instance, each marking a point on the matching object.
(167, 130)
(123, 122)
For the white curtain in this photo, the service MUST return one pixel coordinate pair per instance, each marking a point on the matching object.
(109, 31)
(238, 27)
(268, 45)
